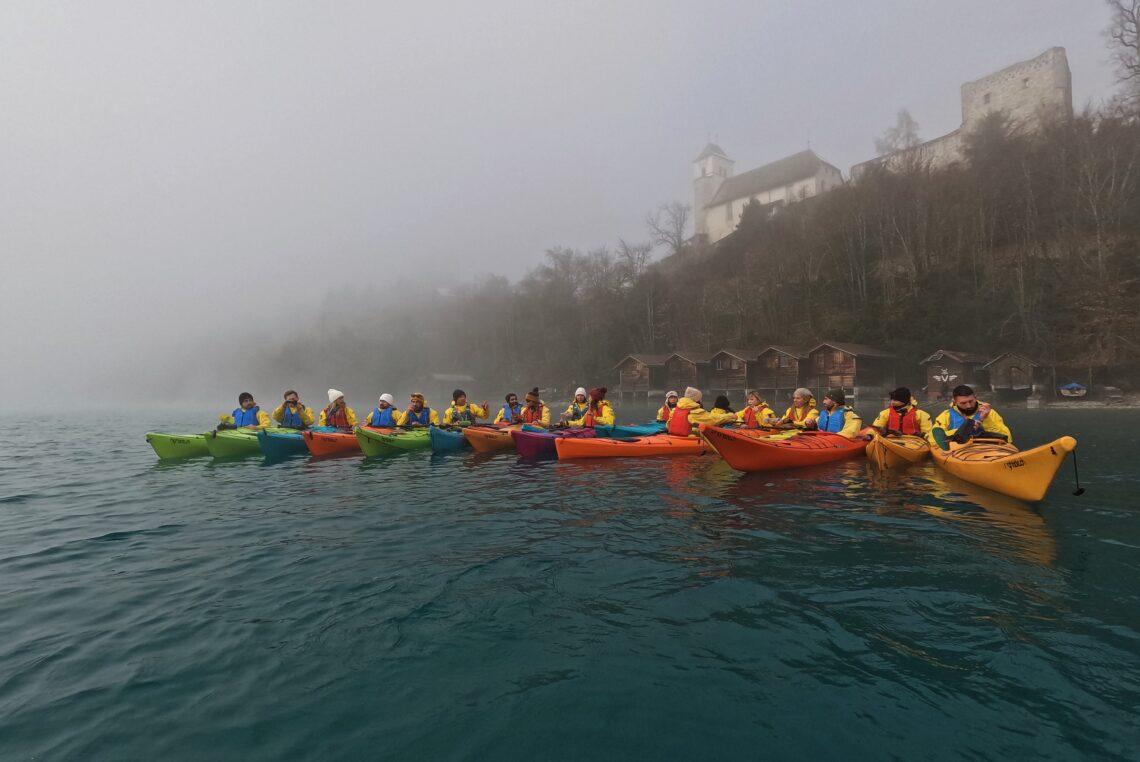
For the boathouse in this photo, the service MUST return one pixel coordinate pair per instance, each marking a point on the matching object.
(731, 371)
(1013, 375)
(858, 369)
(687, 369)
(948, 368)
(640, 374)
(779, 370)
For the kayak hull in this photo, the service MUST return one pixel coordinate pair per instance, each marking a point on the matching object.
(325, 443)
(534, 445)
(1022, 474)
(232, 443)
(177, 446)
(894, 453)
(486, 439)
(373, 442)
(404, 441)
(444, 440)
(281, 443)
(745, 452)
(640, 447)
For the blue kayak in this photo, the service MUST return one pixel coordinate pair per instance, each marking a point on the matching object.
(445, 440)
(283, 443)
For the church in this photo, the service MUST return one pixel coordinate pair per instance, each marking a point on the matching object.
(719, 196)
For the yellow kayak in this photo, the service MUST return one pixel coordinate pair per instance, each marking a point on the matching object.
(893, 453)
(1023, 474)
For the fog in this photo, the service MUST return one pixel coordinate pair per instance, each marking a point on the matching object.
(183, 184)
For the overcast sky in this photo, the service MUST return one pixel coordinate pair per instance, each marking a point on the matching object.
(171, 171)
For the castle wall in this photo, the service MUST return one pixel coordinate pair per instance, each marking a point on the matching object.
(1023, 91)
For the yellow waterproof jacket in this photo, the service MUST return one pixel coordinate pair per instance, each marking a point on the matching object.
(764, 413)
(698, 415)
(921, 417)
(799, 417)
(852, 423)
(349, 414)
(992, 423)
(452, 413)
(499, 415)
(575, 411)
(403, 417)
(664, 413)
(307, 416)
(604, 416)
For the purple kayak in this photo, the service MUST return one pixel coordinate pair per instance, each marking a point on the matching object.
(533, 445)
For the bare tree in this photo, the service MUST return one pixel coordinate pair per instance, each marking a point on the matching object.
(900, 137)
(669, 225)
(633, 259)
(1124, 40)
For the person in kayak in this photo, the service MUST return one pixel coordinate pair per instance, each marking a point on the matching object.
(247, 415)
(802, 411)
(722, 406)
(902, 416)
(599, 411)
(510, 412)
(293, 414)
(418, 413)
(338, 413)
(756, 413)
(967, 419)
(836, 417)
(384, 415)
(536, 413)
(667, 409)
(577, 407)
(462, 413)
(689, 414)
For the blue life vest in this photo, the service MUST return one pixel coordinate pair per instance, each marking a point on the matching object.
(957, 420)
(383, 418)
(246, 417)
(833, 422)
(424, 416)
(577, 412)
(292, 418)
(460, 418)
(511, 414)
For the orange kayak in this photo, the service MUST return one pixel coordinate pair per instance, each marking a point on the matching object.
(751, 453)
(659, 444)
(322, 443)
(487, 439)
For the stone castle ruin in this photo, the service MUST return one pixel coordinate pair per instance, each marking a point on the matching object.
(1027, 93)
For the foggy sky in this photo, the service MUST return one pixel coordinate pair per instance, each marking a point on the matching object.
(158, 160)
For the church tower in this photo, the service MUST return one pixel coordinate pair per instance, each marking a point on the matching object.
(710, 170)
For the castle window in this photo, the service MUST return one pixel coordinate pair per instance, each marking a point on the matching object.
(986, 98)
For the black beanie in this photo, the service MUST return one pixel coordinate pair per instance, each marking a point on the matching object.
(837, 396)
(902, 394)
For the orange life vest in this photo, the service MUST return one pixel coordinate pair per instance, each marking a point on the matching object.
(531, 416)
(338, 417)
(906, 423)
(679, 423)
(750, 419)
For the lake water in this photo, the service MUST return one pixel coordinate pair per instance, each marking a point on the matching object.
(458, 606)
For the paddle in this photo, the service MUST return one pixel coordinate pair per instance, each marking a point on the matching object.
(1077, 475)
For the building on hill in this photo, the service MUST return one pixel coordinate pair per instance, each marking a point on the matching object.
(719, 196)
(1027, 93)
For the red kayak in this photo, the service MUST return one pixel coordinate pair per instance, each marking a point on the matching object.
(323, 443)
(533, 445)
(773, 453)
(638, 447)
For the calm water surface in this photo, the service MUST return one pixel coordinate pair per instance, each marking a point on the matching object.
(459, 606)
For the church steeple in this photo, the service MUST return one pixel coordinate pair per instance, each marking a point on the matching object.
(710, 169)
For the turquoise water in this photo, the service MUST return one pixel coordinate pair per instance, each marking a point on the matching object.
(460, 606)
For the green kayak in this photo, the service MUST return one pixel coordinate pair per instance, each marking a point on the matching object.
(373, 444)
(177, 446)
(397, 441)
(233, 443)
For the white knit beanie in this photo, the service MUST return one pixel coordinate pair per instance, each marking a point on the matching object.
(388, 398)
(334, 395)
(581, 390)
(693, 394)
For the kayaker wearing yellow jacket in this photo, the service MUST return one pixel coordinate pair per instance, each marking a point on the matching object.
(247, 415)
(418, 413)
(462, 413)
(802, 411)
(689, 414)
(599, 412)
(292, 414)
(968, 419)
(536, 413)
(577, 407)
(756, 413)
(338, 413)
(723, 407)
(510, 412)
(384, 415)
(667, 409)
(903, 416)
(836, 417)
